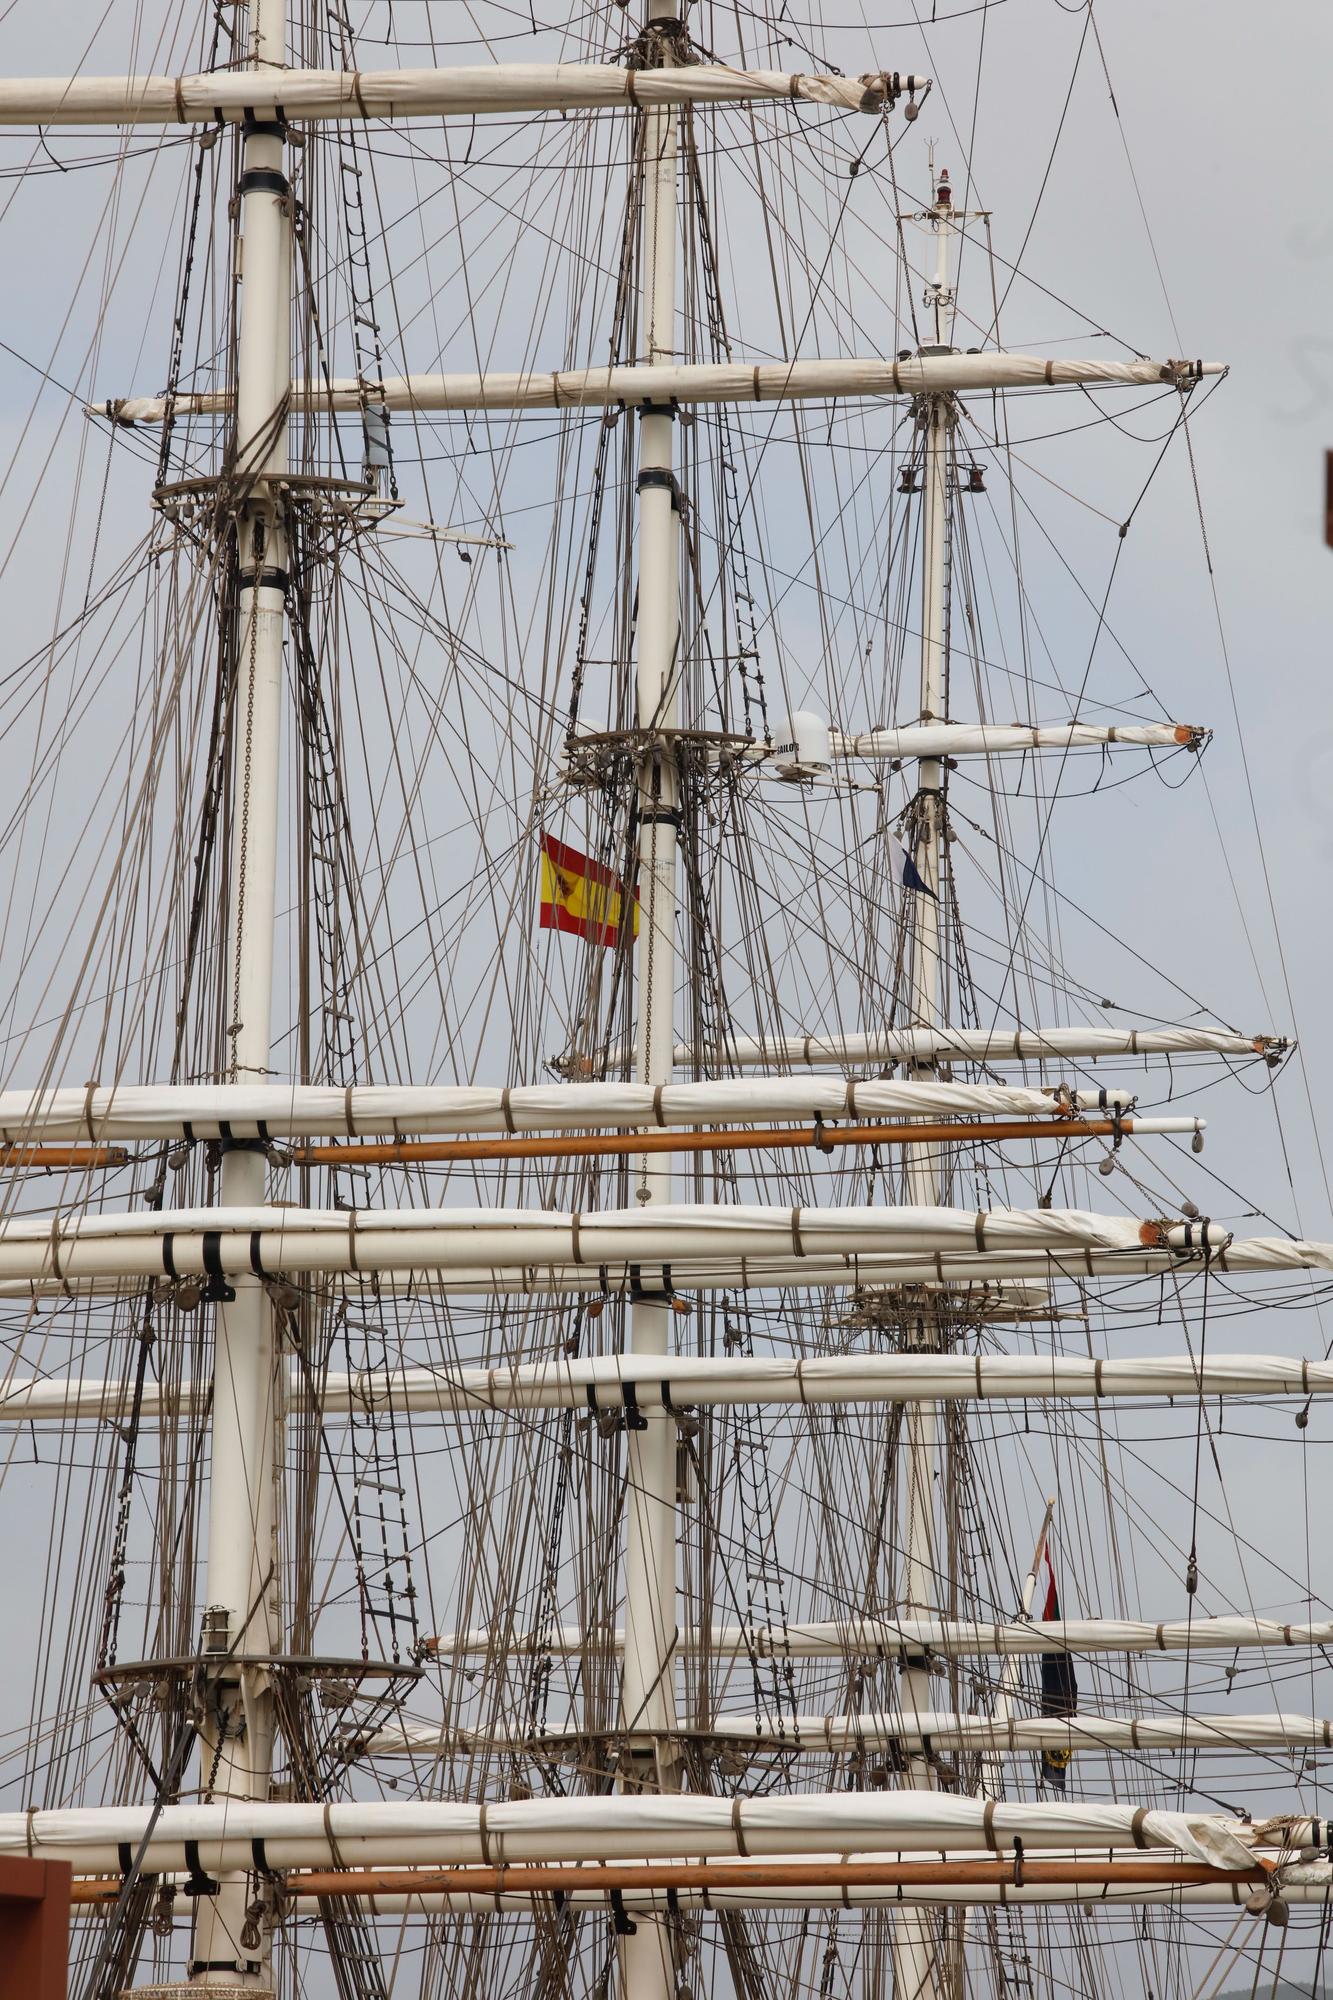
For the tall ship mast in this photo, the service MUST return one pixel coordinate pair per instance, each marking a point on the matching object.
(620, 1372)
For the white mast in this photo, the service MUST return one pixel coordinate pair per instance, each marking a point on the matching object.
(242, 1591)
(648, 1684)
(917, 1968)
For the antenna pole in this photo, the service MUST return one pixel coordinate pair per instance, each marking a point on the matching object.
(918, 1966)
(648, 1704)
(231, 1939)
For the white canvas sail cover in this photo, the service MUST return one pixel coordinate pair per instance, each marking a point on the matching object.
(269, 1240)
(1009, 739)
(857, 1637)
(982, 1045)
(974, 1277)
(837, 1734)
(657, 1381)
(209, 1111)
(688, 382)
(407, 1832)
(471, 90)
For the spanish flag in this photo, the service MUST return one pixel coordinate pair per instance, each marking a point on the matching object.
(581, 896)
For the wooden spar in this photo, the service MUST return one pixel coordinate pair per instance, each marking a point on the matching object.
(551, 1881)
(408, 1152)
(403, 1152)
(22, 1159)
(781, 1875)
(621, 1145)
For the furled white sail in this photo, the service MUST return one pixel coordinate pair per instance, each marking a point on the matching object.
(1011, 739)
(406, 1832)
(267, 1240)
(665, 383)
(974, 1276)
(207, 1111)
(981, 1045)
(469, 91)
(856, 1636)
(610, 1381)
(838, 1734)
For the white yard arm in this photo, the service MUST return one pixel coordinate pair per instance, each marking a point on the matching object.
(265, 1241)
(981, 1278)
(284, 1111)
(981, 1045)
(617, 1826)
(651, 1381)
(221, 96)
(689, 382)
(857, 1637)
(837, 1734)
(1010, 739)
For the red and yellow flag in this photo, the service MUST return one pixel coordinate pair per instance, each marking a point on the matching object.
(580, 895)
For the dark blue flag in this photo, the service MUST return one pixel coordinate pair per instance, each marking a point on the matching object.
(1059, 1688)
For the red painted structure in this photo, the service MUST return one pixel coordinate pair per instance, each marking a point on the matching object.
(34, 1929)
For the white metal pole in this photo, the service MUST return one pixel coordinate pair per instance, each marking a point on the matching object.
(918, 1967)
(648, 1686)
(244, 1613)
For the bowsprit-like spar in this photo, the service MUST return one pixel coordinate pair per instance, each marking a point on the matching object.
(754, 1665)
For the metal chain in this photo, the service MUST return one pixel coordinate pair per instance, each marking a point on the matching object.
(115, 1589)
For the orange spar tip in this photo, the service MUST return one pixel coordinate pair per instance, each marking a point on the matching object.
(32, 1158)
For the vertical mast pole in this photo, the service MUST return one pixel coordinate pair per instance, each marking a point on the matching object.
(648, 1687)
(242, 1593)
(917, 1964)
